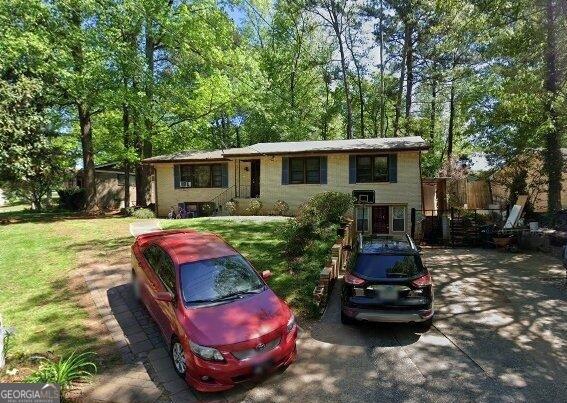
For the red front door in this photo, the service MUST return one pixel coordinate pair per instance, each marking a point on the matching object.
(380, 219)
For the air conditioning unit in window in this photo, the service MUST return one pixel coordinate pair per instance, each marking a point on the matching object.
(363, 196)
(185, 184)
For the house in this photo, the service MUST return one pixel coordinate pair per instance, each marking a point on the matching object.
(110, 180)
(382, 173)
(3, 200)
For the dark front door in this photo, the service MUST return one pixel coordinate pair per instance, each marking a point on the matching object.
(380, 220)
(255, 179)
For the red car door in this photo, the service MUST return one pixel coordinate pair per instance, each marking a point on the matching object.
(149, 282)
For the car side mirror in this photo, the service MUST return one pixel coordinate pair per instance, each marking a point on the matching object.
(165, 296)
(266, 274)
(419, 249)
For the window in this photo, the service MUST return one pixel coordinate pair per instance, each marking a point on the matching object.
(361, 219)
(218, 280)
(202, 175)
(162, 265)
(305, 170)
(371, 168)
(398, 218)
(374, 266)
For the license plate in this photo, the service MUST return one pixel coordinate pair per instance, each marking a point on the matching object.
(261, 369)
(387, 292)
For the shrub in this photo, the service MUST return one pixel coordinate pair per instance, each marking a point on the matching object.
(329, 207)
(231, 207)
(143, 213)
(281, 207)
(208, 208)
(73, 199)
(298, 235)
(64, 372)
(254, 207)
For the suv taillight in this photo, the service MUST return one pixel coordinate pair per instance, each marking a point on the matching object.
(422, 281)
(352, 279)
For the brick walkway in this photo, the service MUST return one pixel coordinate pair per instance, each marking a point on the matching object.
(146, 373)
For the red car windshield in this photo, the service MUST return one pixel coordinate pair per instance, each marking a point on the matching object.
(220, 279)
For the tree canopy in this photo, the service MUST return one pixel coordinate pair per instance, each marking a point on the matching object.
(123, 80)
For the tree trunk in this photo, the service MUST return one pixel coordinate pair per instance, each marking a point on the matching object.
(126, 137)
(401, 85)
(334, 13)
(144, 170)
(89, 183)
(409, 73)
(433, 108)
(553, 159)
(451, 126)
(382, 103)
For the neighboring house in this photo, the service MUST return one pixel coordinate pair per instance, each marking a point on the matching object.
(110, 181)
(383, 173)
(3, 200)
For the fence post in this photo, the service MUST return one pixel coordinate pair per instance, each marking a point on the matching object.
(413, 223)
(452, 227)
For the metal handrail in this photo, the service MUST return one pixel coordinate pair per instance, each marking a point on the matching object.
(220, 199)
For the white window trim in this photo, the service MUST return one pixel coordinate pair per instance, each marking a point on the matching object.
(392, 217)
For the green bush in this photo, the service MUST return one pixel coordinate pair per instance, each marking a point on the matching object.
(231, 207)
(330, 207)
(281, 207)
(73, 199)
(297, 235)
(75, 367)
(254, 207)
(208, 208)
(143, 213)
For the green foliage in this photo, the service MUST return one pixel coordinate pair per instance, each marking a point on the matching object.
(254, 207)
(208, 208)
(281, 207)
(328, 207)
(72, 199)
(65, 371)
(231, 207)
(143, 213)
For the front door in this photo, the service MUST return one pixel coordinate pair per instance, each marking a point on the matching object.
(380, 220)
(255, 179)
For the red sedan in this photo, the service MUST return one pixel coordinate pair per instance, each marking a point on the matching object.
(223, 324)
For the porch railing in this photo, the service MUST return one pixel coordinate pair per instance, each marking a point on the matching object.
(220, 200)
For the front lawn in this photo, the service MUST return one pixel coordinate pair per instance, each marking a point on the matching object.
(44, 298)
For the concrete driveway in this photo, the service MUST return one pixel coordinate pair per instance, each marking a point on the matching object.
(499, 335)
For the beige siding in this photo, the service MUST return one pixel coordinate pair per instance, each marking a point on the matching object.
(406, 192)
(168, 196)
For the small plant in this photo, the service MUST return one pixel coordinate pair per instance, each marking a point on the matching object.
(231, 207)
(281, 207)
(254, 207)
(208, 208)
(143, 213)
(75, 367)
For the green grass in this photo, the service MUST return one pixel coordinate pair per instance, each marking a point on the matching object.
(39, 252)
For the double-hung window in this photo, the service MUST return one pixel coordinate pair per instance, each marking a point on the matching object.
(202, 175)
(398, 218)
(305, 170)
(372, 168)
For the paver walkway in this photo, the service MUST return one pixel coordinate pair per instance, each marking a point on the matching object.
(499, 335)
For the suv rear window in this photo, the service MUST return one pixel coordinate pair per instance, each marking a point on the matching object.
(375, 267)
